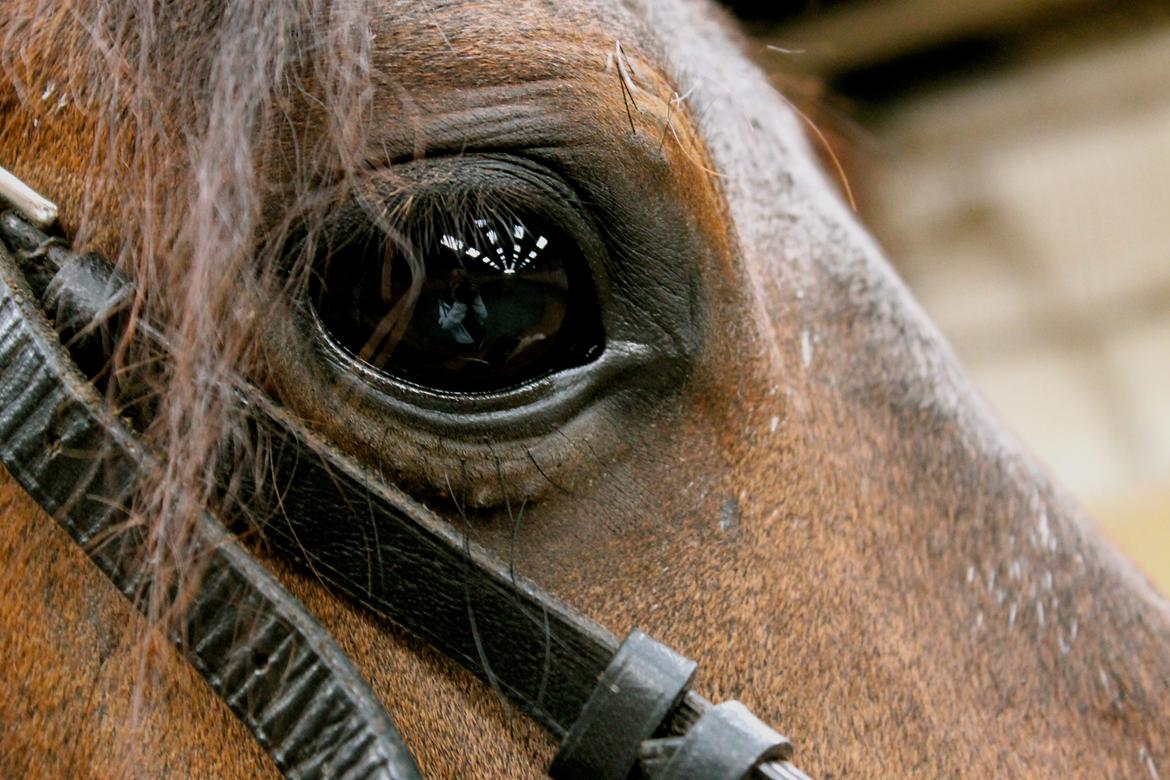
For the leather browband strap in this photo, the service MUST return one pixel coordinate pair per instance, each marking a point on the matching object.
(368, 540)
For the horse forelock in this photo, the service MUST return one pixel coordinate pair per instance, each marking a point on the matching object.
(165, 110)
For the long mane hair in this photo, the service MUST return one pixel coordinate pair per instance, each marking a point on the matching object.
(188, 149)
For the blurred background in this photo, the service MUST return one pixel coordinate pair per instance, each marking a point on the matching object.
(1013, 156)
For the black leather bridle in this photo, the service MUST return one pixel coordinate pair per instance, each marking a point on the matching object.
(620, 710)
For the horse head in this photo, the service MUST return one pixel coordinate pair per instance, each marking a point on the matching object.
(568, 278)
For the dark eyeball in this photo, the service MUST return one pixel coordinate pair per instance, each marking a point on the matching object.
(486, 303)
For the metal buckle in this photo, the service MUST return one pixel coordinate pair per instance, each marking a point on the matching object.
(27, 202)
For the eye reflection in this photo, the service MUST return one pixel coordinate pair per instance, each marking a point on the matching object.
(487, 304)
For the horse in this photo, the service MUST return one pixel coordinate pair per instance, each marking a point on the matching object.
(746, 439)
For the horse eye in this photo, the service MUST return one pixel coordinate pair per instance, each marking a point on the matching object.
(488, 303)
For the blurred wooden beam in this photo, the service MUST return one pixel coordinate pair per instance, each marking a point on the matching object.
(868, 32)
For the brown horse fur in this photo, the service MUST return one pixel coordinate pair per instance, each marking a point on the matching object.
(823, 514)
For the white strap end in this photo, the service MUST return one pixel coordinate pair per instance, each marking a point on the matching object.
(28, 202)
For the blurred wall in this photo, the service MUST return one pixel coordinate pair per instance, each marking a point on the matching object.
(1016, 165)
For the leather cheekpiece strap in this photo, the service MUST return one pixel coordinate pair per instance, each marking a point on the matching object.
(642, 684)
(727, 743)
(630, 710)
(258, 648)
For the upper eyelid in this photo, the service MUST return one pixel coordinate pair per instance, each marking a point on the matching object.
(464, 183)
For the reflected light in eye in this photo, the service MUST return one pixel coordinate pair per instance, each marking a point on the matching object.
(518, 260)
(491, 305)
